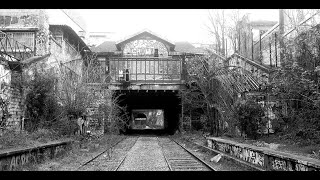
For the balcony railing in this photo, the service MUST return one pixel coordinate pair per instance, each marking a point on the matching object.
(145, 70)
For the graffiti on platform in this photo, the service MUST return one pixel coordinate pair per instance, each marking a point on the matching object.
(209, 143)
(301, 167)
(223, 147)
(278, 164)
(15, 161)
(263, 160)
(241, 153)
(21, 160)
(253, 157)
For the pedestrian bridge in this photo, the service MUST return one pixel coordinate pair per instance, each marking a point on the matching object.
(145, 73)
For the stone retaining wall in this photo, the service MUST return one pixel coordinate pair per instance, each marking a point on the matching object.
(263, 158)
(12, 159)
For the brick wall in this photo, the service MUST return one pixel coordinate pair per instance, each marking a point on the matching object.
(13, 93)
(98, 98)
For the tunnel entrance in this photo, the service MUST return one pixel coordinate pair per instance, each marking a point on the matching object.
(147, 119)
(151, 111)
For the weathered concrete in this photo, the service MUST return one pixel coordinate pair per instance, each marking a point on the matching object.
(11, 159)
(263, 158)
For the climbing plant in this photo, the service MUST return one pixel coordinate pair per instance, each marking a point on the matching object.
(214, 89)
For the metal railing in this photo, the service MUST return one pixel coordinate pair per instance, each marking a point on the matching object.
(259, 72)
(145, 70)
(12, 50)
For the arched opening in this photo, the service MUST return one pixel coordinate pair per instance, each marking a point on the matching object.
(140, 121)
(161, 108)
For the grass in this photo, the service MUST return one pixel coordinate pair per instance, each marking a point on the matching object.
(76, 156)
(12, 139)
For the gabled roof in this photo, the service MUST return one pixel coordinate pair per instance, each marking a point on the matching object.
(186, 47)
(143, 33)
(107, 46)
(73, 34)
(183, 47)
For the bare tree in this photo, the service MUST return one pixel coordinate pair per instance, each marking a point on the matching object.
(228, 25)
(217, 27)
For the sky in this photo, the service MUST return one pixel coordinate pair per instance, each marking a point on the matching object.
(173, 24)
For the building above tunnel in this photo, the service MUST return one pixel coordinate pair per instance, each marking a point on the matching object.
(146, 39)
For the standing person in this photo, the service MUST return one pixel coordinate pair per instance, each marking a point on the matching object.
(80, 123)
(86, 124)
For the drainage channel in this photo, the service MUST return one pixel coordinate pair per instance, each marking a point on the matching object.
(179, 158)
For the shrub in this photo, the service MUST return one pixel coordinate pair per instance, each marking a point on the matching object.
(10, 139)
(65, 126)
(43, 135)
(41, 104)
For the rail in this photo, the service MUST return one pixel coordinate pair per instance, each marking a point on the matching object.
(99, 154)
(195, 156)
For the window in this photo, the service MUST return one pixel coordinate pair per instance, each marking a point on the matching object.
(24, 38)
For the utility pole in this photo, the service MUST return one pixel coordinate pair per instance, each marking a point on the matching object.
(280, 37)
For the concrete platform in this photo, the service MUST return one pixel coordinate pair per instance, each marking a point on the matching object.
(263, 158)
(11, 159)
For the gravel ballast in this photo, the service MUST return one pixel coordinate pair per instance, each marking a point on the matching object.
(145, 155)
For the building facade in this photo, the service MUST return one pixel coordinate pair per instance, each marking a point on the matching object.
(28, 41)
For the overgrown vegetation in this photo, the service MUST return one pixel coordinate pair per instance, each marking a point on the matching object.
(296, 87)
(4, 112)
(213, 89)
(115, 116)
(42, 108)
(250, 116)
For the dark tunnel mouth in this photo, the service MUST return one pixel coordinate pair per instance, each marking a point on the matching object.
(167, 101)
(141, 115)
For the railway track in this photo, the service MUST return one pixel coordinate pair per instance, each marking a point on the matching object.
(179, 158)
(103, 161)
